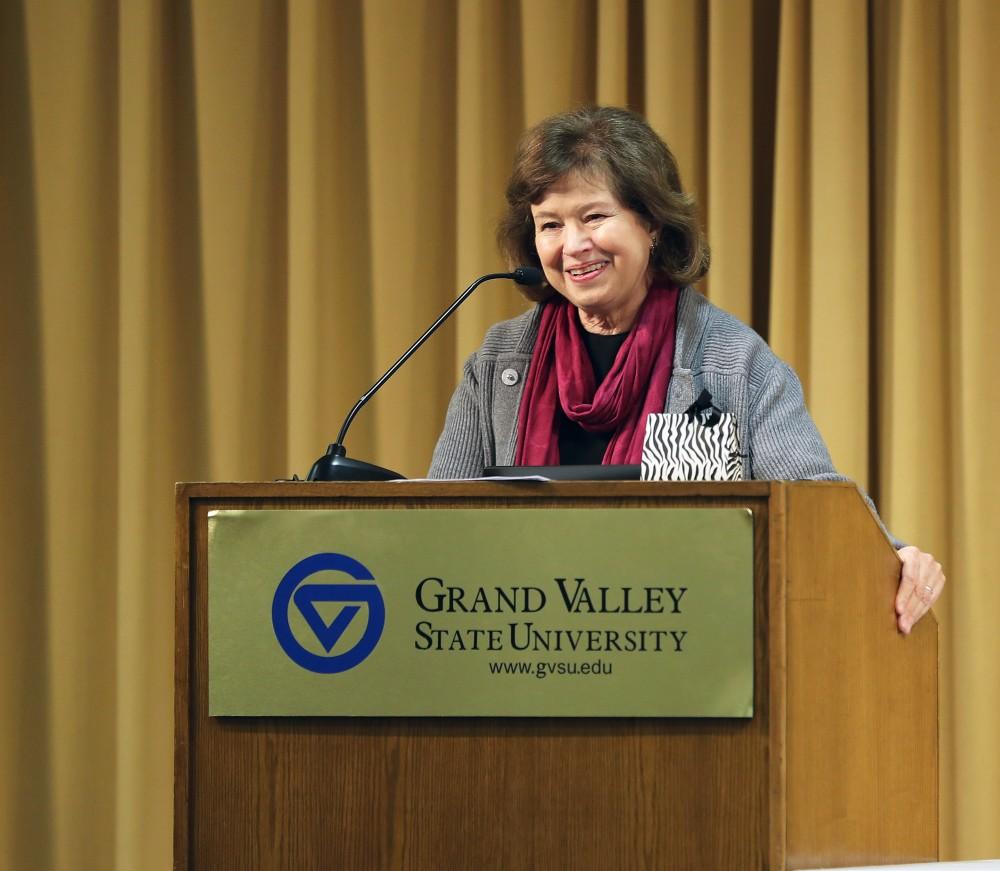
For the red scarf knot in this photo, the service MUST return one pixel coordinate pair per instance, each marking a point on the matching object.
(562, 376)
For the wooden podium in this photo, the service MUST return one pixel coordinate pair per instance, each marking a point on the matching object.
(838, 766)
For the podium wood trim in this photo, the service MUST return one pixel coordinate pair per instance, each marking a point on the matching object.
(837, 766)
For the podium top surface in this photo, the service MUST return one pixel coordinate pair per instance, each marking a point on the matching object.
(490, 488)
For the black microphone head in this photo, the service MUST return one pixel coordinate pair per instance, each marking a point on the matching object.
(528, 275)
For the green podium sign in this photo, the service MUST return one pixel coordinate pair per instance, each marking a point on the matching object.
(482, 612)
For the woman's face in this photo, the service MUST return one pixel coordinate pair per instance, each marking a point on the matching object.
(594, 251)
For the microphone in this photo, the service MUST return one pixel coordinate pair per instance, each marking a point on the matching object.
(335, 465)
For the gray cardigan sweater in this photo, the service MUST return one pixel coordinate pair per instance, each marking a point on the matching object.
(713, 350)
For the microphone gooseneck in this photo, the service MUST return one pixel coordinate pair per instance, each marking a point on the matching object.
(335, 465)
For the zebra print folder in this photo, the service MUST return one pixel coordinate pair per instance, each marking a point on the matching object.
(702, 444)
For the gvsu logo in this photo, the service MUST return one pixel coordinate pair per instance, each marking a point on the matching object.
(306, 597)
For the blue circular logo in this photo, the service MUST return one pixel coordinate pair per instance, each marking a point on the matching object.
(306, 596)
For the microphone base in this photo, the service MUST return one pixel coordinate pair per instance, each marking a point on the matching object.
(335, 465)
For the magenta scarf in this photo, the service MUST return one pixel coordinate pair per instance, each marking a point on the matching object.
(561, 375)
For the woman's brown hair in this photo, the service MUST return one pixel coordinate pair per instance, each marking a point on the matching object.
(619, 147)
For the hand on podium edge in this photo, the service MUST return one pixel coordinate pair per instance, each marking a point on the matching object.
(920, 583)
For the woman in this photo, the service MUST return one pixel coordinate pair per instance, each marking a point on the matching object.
(595, 200)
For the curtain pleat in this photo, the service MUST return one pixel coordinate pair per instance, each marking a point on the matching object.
(676, 74)
(240, 57)
(221, 221)
(489, 111)
(820, 291)
(330, 328)
(558, 45)
(163, 409)
(972, 699)
(72, 84)
(839, 223)
(27, 821)
(612, 52)
(727, 201)
(791, 258)
(410, 108)
(913, 280)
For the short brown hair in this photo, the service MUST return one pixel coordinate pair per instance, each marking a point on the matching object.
(620, 147)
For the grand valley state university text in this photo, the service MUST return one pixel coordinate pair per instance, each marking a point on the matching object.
(433, 595)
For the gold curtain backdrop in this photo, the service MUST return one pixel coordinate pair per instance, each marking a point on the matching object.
(220, 220)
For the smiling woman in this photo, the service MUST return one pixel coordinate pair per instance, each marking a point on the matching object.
(595, 252)
(595, 200)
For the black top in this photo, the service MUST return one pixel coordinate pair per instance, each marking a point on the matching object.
(576, 445)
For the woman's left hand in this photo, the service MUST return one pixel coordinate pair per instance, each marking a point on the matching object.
(920, 583)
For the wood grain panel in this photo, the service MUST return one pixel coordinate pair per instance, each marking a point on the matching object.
(862, 752)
